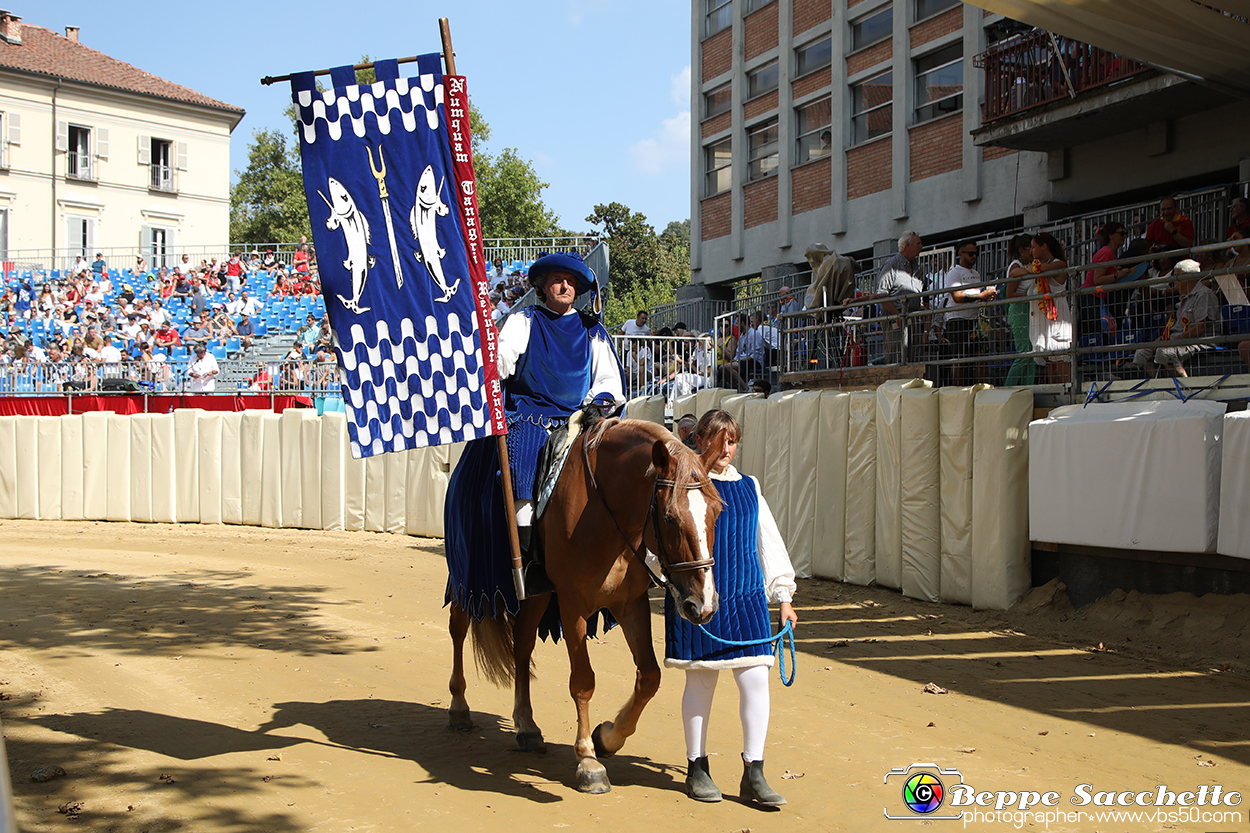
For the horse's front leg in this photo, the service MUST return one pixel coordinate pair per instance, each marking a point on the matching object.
(458, 712)
(592, 777)
(635, 621)
(524, 636)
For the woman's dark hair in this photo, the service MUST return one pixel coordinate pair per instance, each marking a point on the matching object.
(1107, 229)
(1020, 241)
(1049, 241)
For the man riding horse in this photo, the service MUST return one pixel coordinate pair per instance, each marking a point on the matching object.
(553, 360)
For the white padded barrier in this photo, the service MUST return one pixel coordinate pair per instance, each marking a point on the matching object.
(375, 494)
(861, 488)
(271, 470)
(650, 408)
(292, 437)
(683, 405)
(117, 501)
(95, 464)
(8, 467)
(355, 484)
(753, 447)
(232, 467)
(777, 458)
(803, 486)
(208, 427)
(49, 462)
(187, 463)
(396, 485)
(310, 472)
(920, 492)
(889, 505)
(71, 468)
(1234, 537)
(1001, 554)
(27, 432)
(955, 460)
(1130, 475)
(251, 465)
(709, 399)
(163, 469)
(829, 529)
(428, 473)
(140, 468)
(333, 446)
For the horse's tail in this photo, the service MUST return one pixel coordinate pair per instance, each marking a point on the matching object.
(492, 648)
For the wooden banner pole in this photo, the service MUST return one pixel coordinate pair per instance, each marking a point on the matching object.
(505, 471)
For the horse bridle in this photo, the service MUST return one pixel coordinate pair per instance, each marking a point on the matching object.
(652, 508)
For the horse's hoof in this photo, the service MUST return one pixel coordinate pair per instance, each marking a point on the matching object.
(596, 737)
(459, 720)
(592, 777)
(531, 742)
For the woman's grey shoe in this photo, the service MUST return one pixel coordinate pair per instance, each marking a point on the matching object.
(699, 783)
(755, 788)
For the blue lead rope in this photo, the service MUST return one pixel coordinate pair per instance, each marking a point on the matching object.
(780, 638)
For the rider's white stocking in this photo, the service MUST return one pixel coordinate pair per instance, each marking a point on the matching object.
(696, 707)
(524, 512)
(753, 708)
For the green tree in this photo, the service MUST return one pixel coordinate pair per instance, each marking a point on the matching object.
(509, 197)
(267, 203)
(645, 269)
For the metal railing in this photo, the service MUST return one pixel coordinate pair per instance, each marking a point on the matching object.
(1101, 347)
(120, 258)
(668, 366)
(1035, 68)
(23, 377)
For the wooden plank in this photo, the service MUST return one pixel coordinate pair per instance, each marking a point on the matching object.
(866, 377)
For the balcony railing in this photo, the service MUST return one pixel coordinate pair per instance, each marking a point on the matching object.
(1038, 67)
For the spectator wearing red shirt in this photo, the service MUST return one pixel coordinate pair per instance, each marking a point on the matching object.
(234, 272)
(1170, 229)
(167, 336)
(300, 261)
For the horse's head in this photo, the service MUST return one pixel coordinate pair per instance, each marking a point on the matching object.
(681, 525)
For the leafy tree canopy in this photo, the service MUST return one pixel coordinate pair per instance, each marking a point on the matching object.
(645, 268)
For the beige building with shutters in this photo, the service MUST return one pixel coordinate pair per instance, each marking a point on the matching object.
(97, 155)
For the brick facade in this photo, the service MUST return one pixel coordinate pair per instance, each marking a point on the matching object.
(868, 168)
(759, 31)
(809, 13)
(809, 186)
(717, 124)
(870, 57)
(937, 147)
(951, 20)
(760, 202)
(717, 54)
(997, 153)
(715, 215)
(810, 83)
(759, 105)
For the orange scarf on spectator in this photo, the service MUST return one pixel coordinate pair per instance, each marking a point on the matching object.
(1046, 304)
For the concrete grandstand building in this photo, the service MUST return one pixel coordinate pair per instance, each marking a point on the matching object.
(846, 122)
(97, 154)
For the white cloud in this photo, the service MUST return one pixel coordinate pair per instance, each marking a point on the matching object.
(579, 8)
(681, 88)
(671, 146)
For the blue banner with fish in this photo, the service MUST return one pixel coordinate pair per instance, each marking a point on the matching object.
(391, 197)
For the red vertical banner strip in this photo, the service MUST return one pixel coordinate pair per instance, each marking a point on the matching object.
(456, 102)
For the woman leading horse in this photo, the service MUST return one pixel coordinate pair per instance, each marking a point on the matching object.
(554, 360)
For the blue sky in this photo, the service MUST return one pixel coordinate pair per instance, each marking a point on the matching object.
(595, 93)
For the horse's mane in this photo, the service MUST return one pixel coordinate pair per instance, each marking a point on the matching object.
(686, 467)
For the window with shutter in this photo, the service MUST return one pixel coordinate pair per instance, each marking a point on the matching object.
(78, 161)
(15, 128)
(145, 150)
(182, 156)
(102, 143)
(62, 136)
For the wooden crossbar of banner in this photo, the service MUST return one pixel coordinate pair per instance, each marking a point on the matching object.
(505, 471)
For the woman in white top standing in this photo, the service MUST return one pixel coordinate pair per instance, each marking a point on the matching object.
(1050, 317)
(1019, 284)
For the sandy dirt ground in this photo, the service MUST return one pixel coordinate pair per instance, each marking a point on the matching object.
(209, 678)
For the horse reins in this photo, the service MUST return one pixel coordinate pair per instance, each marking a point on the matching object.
(661, 553)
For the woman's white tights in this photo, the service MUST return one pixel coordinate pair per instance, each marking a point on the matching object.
(753, 705)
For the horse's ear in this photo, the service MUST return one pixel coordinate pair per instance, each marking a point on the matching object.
(660, 456)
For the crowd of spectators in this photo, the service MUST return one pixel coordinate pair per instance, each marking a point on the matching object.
(151, 328)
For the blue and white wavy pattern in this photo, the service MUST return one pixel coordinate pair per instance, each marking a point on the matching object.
(387, 100)
(386, 375)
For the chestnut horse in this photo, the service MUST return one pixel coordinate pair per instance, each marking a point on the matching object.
(627, 484)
